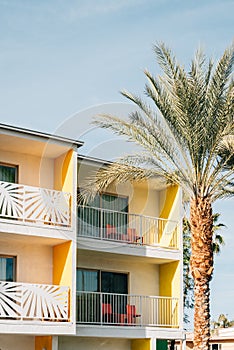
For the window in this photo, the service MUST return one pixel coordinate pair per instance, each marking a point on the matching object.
(7, 268)
(87, 280)
(105, 210)
(8, 173)
(216, 347)
(114, 282)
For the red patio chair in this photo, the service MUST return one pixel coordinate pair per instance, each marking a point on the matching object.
(110, 231)
(133, 237)
(131, 314)
(106, 313)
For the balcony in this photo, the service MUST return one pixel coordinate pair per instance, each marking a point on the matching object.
(126, 310)
(104, 224)
(38, 206)
(33, 302)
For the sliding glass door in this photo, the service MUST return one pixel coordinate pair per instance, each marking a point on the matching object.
(89, 219)
(115, 215)
(104, 212)
(88, 298)
(99, 292)
(117, 285)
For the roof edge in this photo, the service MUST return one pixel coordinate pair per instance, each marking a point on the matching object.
(41, 134)
(95, 160)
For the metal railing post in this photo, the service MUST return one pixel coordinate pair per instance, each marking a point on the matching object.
(141, 229)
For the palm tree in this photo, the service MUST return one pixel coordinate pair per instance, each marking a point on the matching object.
(180, 132)
(187, 279)
(218, 241)
(222, 322)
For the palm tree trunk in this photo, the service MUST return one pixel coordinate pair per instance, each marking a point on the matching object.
(201, 264)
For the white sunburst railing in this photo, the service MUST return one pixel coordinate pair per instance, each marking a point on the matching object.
(38, 302)
(34, 204)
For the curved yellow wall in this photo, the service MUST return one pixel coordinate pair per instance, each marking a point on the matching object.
(43, 342)
(169, 240)
(140, 344)
(171, 193)
(62, 262)
(169, 282)
(63, 172)
(67, 172)
(169, 279)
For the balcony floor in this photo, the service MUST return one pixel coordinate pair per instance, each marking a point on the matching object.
(130, 332)
(156, 253)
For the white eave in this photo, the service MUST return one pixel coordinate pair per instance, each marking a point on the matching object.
(18, 130)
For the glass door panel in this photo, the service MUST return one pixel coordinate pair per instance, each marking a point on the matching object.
(117, 220)
(88, 298)
(8, 173)
(117, 284)
(89, 218)
(7, 268)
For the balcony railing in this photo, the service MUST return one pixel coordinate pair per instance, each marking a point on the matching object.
(37, 302)
(34, 205)
(126, 227)
(126, 310)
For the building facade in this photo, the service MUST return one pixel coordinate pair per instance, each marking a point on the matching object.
(221, 339)
(103, 274)
(37, 238)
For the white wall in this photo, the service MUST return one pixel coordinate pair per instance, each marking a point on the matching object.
(34, 261)
(32, 170)
(228, 346)
(71, 343)
(143, 277)
(16, 342)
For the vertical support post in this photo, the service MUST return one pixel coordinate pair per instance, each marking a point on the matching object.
(141, 230)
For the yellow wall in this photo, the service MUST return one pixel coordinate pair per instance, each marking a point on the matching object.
(62, 271)
(169, 282)
(62, 262)
(169, 279)
(63, 172)
(142, 199)
(168, 233)
(171, 193)
(43, 342)
(145, 201)
(140, 344)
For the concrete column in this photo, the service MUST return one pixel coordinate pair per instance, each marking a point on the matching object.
(55, 342)
(153, 344)
(183, 342)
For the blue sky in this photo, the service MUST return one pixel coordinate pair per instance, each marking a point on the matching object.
(61, 60)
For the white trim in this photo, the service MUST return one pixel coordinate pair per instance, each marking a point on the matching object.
(14, 129)
(128, 332)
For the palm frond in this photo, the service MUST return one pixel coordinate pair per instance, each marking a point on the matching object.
(181, 139)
